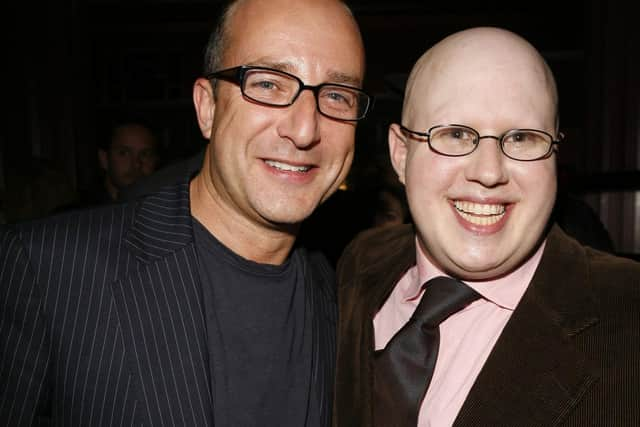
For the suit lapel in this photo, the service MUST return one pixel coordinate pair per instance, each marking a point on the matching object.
(380, 282)
(535, 375)
(162, 224)
(385, 265)
(321, 301)
(381, 275)
(160, 309)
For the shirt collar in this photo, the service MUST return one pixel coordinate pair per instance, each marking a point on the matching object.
(505, 292)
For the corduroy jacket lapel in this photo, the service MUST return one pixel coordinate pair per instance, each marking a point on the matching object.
(367, 287)
(535, 375)
(513, 388)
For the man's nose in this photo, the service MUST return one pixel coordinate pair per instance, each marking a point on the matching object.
(301, 126)
(487, 163)
(138, 162)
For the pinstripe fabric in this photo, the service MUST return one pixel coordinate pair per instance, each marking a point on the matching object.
(102, 324)
(325, 313)
(54, 293)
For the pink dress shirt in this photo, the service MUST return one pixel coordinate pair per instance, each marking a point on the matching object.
(466, 338)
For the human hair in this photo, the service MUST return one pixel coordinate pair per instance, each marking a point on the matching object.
(110, 126)
(219, 37)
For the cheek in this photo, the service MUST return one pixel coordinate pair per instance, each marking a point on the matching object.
(119, 164)
(429, 177)
(236, 124)
(148, 166)
(337, 152)
(538, 183)
(337, 145)
(341, 143)
(345, 167)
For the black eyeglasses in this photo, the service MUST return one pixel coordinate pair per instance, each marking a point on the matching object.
(458, 140)
(276, 88)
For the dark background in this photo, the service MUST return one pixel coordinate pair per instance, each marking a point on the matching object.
(70, 66)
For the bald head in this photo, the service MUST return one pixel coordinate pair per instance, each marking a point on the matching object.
(268, 167)
(489, 66)
(238, 13)
(480, 211)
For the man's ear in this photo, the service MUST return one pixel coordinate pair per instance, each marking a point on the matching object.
(103, 158)
(398, 150)
(205, 105)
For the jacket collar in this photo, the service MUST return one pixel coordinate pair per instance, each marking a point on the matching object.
(160, 304)
(400, 255)
(535, 372)
(162, 224)
(567, 304)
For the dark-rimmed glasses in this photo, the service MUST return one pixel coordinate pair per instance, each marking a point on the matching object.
(275, 88)
(459, 140)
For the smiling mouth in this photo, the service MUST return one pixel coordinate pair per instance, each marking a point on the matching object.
(480, 213)
(286, 167)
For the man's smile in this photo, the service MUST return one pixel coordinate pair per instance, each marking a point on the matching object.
(287, 167)
(480, 213)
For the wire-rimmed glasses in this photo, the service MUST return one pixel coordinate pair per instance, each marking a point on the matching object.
(459, 140)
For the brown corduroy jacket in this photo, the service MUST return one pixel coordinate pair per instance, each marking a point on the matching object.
(569, 355)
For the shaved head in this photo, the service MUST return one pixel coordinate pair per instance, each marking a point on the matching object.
(267, 168)
(484, 57)
(481, 215)
(220, 36)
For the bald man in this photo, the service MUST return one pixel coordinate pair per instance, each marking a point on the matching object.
(483, 313)
(192, 306)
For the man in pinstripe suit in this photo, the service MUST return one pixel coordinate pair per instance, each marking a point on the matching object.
(193, 306)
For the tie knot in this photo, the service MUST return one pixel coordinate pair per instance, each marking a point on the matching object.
(442, 297)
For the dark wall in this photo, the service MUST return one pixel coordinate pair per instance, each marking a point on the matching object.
(74, 64)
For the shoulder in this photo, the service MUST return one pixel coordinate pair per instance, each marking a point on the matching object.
(71, 239)
(613, 273)
(75, 224)
(320, 270)
(606, 275)
(321, 281)
(319, 264)
(376, 250)
(373, 246)
(164, 178)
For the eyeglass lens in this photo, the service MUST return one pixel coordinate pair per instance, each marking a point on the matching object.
(279, 89)
(518, 144)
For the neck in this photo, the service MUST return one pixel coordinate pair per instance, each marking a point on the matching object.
(251, 239)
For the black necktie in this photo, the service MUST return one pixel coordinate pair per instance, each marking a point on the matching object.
(403, 369)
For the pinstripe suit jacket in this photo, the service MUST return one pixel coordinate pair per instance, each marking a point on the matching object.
(102, 319)
(569, 356)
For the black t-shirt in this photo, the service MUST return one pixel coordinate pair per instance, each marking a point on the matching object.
(260, 339)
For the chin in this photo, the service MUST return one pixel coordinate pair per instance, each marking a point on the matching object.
(287, 218)
(479, 271)
(483, 275)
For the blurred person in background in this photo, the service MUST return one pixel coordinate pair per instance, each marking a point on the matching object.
(129, 154)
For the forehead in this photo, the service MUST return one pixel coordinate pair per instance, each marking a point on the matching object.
(133, 136)
(315, 39)
(480, 88)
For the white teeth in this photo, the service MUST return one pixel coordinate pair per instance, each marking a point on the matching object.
(480, 220)
(479, 208)
(480, 213)
(286, 167)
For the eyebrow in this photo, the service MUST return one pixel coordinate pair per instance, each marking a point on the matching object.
(338, 77)
(288, 67)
